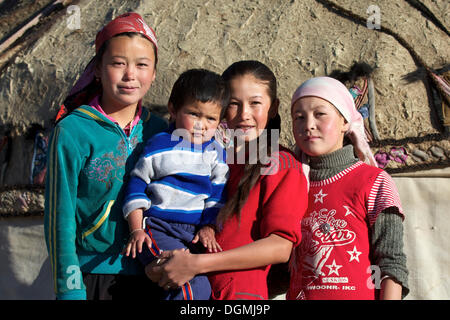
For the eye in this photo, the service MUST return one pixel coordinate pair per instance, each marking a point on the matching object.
(118, 63)
(233, 105)
(142, 65)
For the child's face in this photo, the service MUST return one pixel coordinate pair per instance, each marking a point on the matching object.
(199, 119)
(127, 71)
(249, 106)
(317, 125)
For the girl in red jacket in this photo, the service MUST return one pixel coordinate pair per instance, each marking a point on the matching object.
(267, 197)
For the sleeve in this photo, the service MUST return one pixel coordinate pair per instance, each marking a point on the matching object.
(387, 247)
(219, 177)
(140, 177)
(383, 195)
(284, 199)
(64, 163)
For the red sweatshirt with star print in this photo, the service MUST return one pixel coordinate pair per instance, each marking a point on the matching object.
(333, 260)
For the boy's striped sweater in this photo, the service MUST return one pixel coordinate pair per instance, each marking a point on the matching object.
(178, 181)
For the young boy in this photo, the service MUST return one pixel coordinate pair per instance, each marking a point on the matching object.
(178, 182)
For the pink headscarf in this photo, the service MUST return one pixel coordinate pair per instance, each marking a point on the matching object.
(339, 96)
(127, 22)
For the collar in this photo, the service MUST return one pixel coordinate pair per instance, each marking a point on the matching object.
(95, 103)
(326, 166)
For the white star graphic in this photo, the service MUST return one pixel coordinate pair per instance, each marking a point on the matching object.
(348, 211)
(354, 254)
(333, 268)
(319, 196)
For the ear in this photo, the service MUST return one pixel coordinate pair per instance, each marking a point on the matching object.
(273, 111)
(172, 111)
(154, 76)
(346, 126)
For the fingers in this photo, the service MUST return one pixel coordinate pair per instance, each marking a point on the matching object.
(211, 245)
(148, 242)
(126, 249)
(135, 244)
(153, 271)
(166, 254)
(196, 238)
(216, 247)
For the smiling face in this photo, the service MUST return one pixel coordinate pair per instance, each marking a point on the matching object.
(199, 119)
(317, 125)
(127, 71)
(250, 106)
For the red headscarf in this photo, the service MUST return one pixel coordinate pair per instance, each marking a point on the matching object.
(127, 22)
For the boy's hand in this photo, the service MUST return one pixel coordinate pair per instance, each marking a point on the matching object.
(135, 242)
(207, 236)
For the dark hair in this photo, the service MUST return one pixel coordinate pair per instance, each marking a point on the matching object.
(94, 88)
(199, 85)
(252, 172)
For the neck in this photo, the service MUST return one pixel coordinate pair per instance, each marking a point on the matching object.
(122, 114)
(328, 165)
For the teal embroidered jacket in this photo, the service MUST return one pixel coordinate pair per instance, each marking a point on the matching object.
(88, 162)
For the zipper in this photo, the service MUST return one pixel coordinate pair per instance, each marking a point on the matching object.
(126, 138)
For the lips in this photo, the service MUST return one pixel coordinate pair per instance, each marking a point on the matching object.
(245, 128)
(127, 89)
(311, 138)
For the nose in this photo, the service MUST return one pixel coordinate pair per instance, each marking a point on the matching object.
(310, 123)
(130, 72)
(244, 111)
(198, 125)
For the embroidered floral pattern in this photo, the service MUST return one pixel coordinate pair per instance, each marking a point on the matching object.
(111, 165)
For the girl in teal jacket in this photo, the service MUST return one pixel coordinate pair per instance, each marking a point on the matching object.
(92, 149)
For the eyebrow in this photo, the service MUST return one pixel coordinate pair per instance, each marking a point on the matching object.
(140, 58)
(252, 97)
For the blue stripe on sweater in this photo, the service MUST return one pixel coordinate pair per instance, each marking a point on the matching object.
(182, 216)
(135, 189)
(192, 184)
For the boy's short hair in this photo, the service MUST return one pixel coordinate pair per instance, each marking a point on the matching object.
(200, 85)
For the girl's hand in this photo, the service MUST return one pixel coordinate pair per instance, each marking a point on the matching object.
(153, 271)
(135, 242)
(207, 237)
(174, 268)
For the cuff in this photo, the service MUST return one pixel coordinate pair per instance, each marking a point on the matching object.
(135, 204)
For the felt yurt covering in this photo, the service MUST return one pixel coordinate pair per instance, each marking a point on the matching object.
(396, 53)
